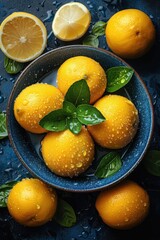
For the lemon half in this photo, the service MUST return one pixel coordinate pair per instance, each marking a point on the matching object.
(71, 21)
(23, 36)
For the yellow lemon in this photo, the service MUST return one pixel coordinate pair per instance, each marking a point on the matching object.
(130, 33)
(82, 67)
(34, 102)
(121, 122)
(32, 203)
(71, 21)
(67, 154)
(23, 36)
(123, 206)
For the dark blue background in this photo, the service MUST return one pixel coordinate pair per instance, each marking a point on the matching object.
(89, 225)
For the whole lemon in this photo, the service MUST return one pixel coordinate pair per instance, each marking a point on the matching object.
(130, 33)
(81, 67)
(34, 102)
(31, 202)
(121, 122)
(123, 206)
(67, 154)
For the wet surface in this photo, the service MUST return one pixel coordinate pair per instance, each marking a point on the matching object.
(89, 226)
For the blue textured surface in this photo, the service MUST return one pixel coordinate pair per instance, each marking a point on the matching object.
(89, 226)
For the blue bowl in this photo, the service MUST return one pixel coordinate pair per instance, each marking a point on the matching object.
(27, 146)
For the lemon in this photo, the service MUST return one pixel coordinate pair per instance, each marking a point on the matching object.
(23, 36)
(31, 202)
(123, 206)
(71, 21)
(34, 102)
(130, 33)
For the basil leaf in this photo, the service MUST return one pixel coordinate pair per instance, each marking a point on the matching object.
(89, 115)
(69, 107)
(55, 121)
(74, 125)
(11, 66)
(78, 93)
(118, 77)
(91, 40)
(65, 215)
(4, 192)
(3, 127)
(152, 162)
(99, 28)
(108, 165)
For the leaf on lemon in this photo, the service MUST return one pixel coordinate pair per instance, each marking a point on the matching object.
(78, 93)
(69, 107)
(89, 115)
(74, 125)
(55, 121)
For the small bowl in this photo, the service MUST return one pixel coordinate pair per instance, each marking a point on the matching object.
(27, 145)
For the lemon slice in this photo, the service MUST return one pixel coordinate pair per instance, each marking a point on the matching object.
(23, 36)
(71, 21)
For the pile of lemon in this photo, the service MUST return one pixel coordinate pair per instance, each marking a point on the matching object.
(65, 153)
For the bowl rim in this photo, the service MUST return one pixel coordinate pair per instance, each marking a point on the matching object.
(32, 172)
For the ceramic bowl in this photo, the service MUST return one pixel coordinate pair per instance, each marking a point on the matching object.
(27, 146)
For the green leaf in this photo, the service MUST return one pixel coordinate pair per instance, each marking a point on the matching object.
(69, 108)
(152, 162)
(118, 77)
(4, 192)
(108, 165)
(99, 28)
(74, 125)
(78, 93)
(3, 127)
(11, 66)
(89, 115)
(65, 214)
(55, 121)
(91, 40)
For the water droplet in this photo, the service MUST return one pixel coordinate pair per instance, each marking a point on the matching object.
(38, 206)
(49, 17)
(72, 166)
(49, 35)
(25, 102)
(79, 164)
(100, 8)
(1, 98)
(42, 3)
(84, 153)
(1, 151)
(122, 80)
(145, 204)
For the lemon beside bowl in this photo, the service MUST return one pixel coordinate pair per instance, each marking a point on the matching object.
(27, 146)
